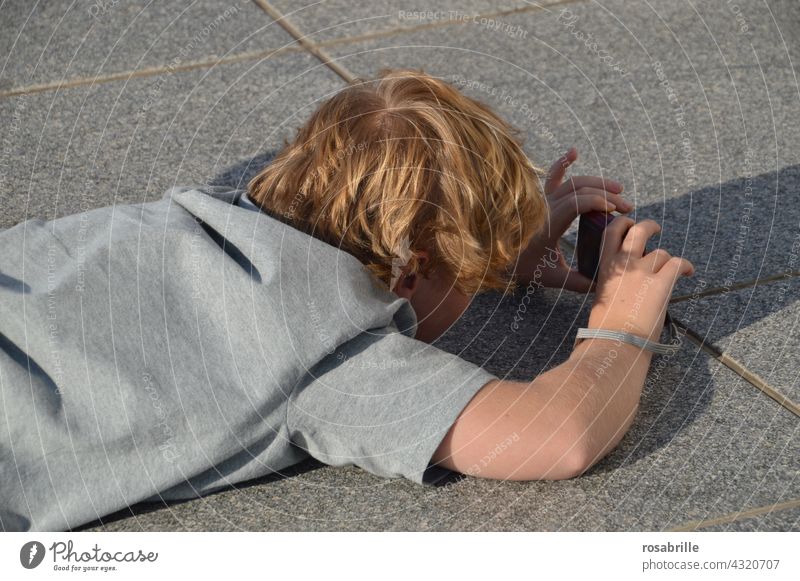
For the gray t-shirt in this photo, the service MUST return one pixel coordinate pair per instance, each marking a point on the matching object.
(169, 349)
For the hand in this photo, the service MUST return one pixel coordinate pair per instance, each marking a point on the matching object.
(542, 261)
(633, 288)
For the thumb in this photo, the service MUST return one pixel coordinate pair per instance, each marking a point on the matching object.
(578, 282)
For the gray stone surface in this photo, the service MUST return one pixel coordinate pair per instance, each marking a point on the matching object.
(328, 20)
(46, 41)
(758, 326)
(777, 521)
(128, 142)
(706, 141)
(705, 444)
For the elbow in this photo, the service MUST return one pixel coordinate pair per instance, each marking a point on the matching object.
(588, 450)
(562, 466)
(564, 462)
(576, 464)
(580, 456)
(593, 443)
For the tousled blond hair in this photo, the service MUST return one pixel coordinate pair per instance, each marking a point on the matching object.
(406, 160)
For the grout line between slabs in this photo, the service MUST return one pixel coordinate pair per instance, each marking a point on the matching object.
(734, 365)
(735, 516)
(304, 41)
(148, 72)
(317, 49)
(737, 286)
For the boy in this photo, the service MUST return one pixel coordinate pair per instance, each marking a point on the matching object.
(167, 350)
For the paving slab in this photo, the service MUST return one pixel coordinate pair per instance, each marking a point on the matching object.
(45, 42)
(129, 141)
(705, 443)
(333, 20)
(696, 119)
(758, 326)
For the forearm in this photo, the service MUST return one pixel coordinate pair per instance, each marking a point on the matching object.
(603, 382)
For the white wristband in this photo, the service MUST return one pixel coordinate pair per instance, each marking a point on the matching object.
(660, 348)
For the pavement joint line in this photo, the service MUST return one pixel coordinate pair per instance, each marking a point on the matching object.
(737, 286)
(734, 516)
(432, 25)
(148, 72)
(734, 365)
(304, 41)
(317, 49)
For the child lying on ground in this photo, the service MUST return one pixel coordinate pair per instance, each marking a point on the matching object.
(169, 349)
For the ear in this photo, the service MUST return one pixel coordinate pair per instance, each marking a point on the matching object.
(408, 283)
(406, 286)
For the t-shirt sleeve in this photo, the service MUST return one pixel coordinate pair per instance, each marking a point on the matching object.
(384, 402)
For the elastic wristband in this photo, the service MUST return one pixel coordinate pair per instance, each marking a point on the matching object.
(641, 342)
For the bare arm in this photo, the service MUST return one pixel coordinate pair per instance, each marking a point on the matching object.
(554, 427)
(570, 417)
(610, 400)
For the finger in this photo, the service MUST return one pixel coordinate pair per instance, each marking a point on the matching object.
(594, 202)
(614, 234)
(677, 266)
(637, 237)
(578, 283)
(564, 211)
(657, 259)
(577, 182)
(556, 173)
(620, 203)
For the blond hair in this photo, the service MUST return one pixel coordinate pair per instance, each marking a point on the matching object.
(407, 160)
